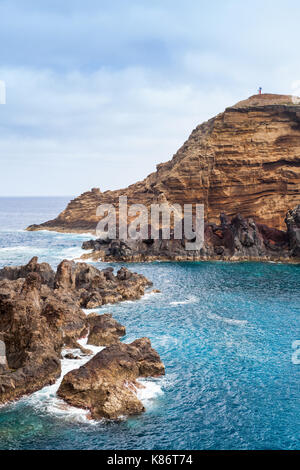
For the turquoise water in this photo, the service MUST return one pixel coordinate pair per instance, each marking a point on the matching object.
(223, 330)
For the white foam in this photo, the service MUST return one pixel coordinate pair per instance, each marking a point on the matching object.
(7, 230)
(87, 311)
(21, 248)
(71, 253)
(69, 234)
(149, 392)
(190, 300)
(148, 295)
(230, 321)
(47, 401)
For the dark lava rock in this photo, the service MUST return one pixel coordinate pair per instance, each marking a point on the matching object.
(106, 385)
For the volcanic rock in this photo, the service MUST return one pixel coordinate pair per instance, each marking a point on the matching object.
(104, 330)
(232, 239)
(41, 313)
(106, 384)
(293, 225)
(45, 271)
(32, 346)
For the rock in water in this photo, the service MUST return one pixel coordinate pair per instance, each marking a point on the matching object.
(32, 347)
(104, 330)
(245, 161)
(106, 385)
(40, 313)
(235, 239)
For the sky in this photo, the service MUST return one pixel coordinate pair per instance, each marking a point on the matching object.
(98, 92)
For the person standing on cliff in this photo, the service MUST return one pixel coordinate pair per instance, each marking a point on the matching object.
(260, 90)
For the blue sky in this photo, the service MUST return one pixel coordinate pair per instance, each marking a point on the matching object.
(99, 92)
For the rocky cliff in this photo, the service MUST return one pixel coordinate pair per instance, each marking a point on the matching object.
(41, 316)
(244, 161)
(238, 239)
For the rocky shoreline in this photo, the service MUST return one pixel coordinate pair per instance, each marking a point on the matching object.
(238, 239)
(41, 314)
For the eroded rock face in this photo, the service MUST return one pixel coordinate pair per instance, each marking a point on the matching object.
(106, 384)
(104, 330)
(232, 239)
(16, 272)
(95, 288)
(41, 313)
(293, 225)
(32, 346)
(3, 359)
(244, 161)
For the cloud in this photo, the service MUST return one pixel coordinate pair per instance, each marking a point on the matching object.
(100, 92)
(70, 132)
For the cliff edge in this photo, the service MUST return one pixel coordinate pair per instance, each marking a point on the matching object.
(245, 161)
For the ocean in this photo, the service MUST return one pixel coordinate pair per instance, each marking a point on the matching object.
(223, 330)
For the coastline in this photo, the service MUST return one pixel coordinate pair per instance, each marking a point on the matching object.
(232, 239)
(95, 257)
(223, 312)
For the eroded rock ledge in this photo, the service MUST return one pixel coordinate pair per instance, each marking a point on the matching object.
(41, 313)
(107, 384)
(237, 239)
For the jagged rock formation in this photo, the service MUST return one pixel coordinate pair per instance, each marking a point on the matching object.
(106, 385)
(104, 330)
(244, 161)
(40, 313)
(293, 225)
(235, 239)
(32, 345)
(13, 273)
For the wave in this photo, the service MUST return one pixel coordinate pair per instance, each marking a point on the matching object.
(230, 321)
(21, 248)
(190, 300)
(72, 253)
(149, 295)
(149, 392)
(47, 401)
(87, 311)
(11, 230)
(90, 236)
(68, 235)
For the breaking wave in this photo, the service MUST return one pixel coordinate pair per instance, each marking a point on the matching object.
(47, 401)
(230, 321)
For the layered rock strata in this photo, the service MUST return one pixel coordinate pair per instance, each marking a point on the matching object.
(245, 161)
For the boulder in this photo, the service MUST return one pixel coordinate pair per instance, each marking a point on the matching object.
(106, 385)
(104, 330)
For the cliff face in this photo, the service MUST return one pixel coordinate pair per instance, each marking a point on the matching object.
(238, 239)
(244, 161)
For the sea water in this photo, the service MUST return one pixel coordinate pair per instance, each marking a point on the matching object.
(223, 330)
